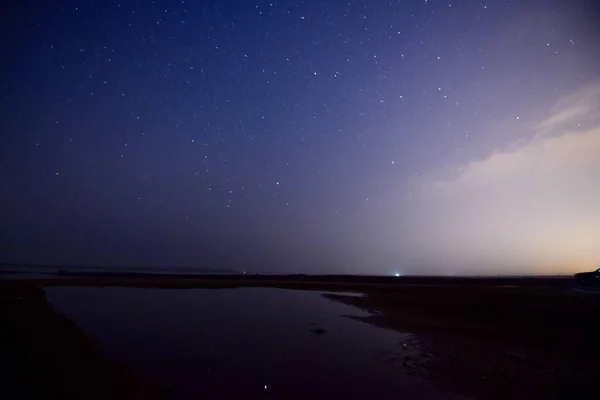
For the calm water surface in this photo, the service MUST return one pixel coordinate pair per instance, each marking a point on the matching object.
(243, 343)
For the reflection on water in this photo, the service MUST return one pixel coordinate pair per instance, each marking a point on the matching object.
(246, 342)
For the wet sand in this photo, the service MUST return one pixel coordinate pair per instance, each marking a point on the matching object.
(483, 338)
(496, 343)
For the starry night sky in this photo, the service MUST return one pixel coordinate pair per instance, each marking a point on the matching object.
(302, 136)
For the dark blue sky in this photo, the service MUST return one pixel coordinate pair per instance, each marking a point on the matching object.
(285, 135)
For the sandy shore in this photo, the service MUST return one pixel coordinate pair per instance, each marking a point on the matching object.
(483, 338)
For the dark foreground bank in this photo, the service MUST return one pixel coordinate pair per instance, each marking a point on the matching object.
(46, 356)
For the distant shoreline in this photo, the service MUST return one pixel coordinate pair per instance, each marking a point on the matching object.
(298, 281)
(106, 268)
(123, 270)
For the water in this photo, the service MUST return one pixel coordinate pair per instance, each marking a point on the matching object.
(242, 343)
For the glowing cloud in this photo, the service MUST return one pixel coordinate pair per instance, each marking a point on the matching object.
(534, 206)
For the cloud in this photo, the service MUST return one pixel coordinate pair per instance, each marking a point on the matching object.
(582, 105)
(571, 153)
(535, 203)
(559, 146)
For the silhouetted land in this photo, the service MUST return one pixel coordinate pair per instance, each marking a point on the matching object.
(93, 269)
(481, 337)
(47, 356)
